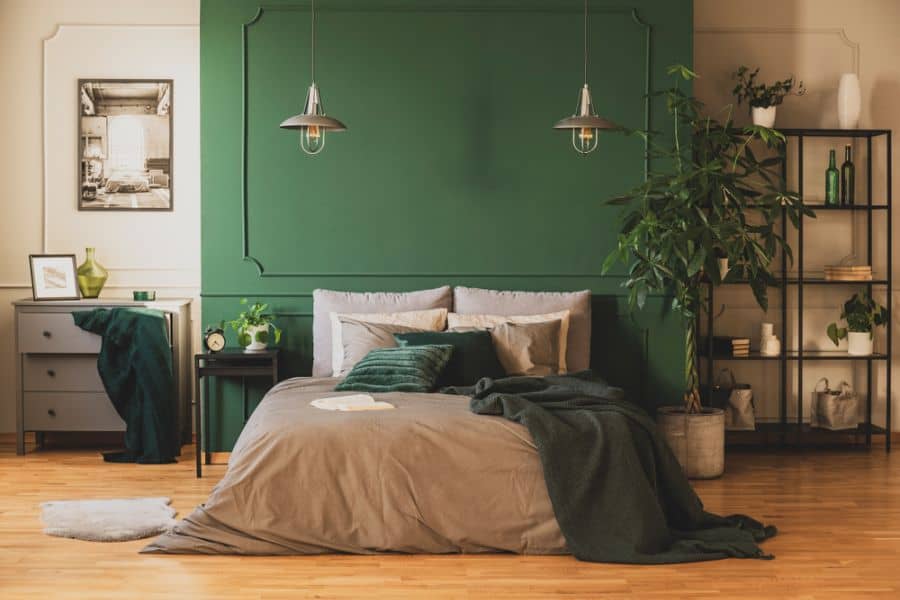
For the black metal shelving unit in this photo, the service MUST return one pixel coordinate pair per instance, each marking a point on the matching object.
(798, 429)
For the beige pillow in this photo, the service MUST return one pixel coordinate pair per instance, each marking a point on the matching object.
(458, 321)
(361, 337)
(528, 348)
(423, 320)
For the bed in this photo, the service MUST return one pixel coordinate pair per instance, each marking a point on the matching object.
(414, 479)
(528, 464)
(127, 182)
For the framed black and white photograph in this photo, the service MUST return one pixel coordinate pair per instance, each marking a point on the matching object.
(125, 144)
(53, 277)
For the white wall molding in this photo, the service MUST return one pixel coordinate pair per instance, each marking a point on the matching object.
(836, 31)
(182, 119)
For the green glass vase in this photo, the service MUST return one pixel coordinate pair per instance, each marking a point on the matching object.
(91, 275)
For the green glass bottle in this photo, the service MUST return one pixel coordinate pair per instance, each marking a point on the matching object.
(832, 180)
(848, 178)
(91, 276)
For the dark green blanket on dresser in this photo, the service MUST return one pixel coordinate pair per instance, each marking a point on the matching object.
(617, 490)
(135, 364)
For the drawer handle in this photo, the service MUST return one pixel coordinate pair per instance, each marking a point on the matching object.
(51, 412)
(47, 334)
(51, 373)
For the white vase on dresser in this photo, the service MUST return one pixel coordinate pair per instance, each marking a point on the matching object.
(58, 387)
(849, 101)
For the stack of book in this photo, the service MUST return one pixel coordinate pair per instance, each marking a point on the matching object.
(848, 273)
(731, 346)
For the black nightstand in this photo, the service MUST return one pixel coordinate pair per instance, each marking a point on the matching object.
(230, 362)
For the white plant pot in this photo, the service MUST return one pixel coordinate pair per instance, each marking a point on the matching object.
(849, 101)
(697, 440)
(259, 338)
(860, 343)
(764, 116)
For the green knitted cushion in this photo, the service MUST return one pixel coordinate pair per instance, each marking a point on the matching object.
(473, 356)
(404, 369)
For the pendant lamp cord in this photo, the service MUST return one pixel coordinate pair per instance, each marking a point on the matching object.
(313, 53)
(585, 39)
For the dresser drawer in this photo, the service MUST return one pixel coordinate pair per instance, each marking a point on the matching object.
(54, 333)
(60, 374)
(66, 411)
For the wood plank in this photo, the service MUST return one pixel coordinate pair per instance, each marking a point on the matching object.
(838, 513)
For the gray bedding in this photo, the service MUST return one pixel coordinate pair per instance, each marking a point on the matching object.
(427, 477)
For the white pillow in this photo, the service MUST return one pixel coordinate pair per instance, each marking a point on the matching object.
(458, 321)
(434, 319)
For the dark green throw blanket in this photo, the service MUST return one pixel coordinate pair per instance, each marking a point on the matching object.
(617, 490)
(135, 364)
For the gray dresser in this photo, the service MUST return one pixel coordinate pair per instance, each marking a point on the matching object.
(58, 387)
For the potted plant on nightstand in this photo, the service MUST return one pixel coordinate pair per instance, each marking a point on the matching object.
(715, 199)
(252, 327)
(862, 315)
(761, 98)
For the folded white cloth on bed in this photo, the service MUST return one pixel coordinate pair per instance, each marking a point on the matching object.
(351, 403)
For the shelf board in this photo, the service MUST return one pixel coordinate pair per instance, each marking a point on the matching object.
(850, 207)
(823, 281)
(751, 356)
(814, 281)
(846, 133)
(807, 355)
(833, 355)
(793, 426)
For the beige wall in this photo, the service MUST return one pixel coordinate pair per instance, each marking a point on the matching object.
(815, 40)
(91, 38)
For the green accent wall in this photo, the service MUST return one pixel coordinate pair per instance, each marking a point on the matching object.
(450, 172)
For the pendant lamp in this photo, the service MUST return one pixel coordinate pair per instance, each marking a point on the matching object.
(312, 123)
(585, 124)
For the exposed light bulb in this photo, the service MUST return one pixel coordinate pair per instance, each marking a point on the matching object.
(312, 139)
(585, 140)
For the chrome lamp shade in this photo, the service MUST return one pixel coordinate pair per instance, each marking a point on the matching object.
(313, 123)
(585, 124)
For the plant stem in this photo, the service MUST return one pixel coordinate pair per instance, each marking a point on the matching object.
(691, 375)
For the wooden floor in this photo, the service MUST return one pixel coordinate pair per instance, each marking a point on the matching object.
(838, 513)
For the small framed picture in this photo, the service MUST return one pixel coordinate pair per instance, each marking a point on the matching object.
(53, 277)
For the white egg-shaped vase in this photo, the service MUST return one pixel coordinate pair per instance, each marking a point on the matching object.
(849, 101)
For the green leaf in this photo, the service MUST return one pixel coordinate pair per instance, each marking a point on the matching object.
(609, 262)
(681, 71)
(835, 334)
(696, 262)
(641, 297)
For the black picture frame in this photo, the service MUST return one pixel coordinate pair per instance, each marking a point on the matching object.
(34, 287)
(83, 186)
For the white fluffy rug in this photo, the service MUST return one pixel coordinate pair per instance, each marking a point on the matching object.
(108, 520)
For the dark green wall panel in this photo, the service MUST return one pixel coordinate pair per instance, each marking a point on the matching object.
(450, 171)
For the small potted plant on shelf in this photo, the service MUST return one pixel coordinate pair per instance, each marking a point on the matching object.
(252, 327)
(714, 200)
(862, 315)
(761, 98)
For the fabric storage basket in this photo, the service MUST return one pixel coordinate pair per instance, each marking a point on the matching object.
(834, 409)
(740, 414)
(736, 399)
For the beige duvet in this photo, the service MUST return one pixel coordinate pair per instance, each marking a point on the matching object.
(426, 477)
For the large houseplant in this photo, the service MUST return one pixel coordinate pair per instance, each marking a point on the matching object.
(714, 198)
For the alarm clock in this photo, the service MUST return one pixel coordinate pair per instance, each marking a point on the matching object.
(214, 339)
